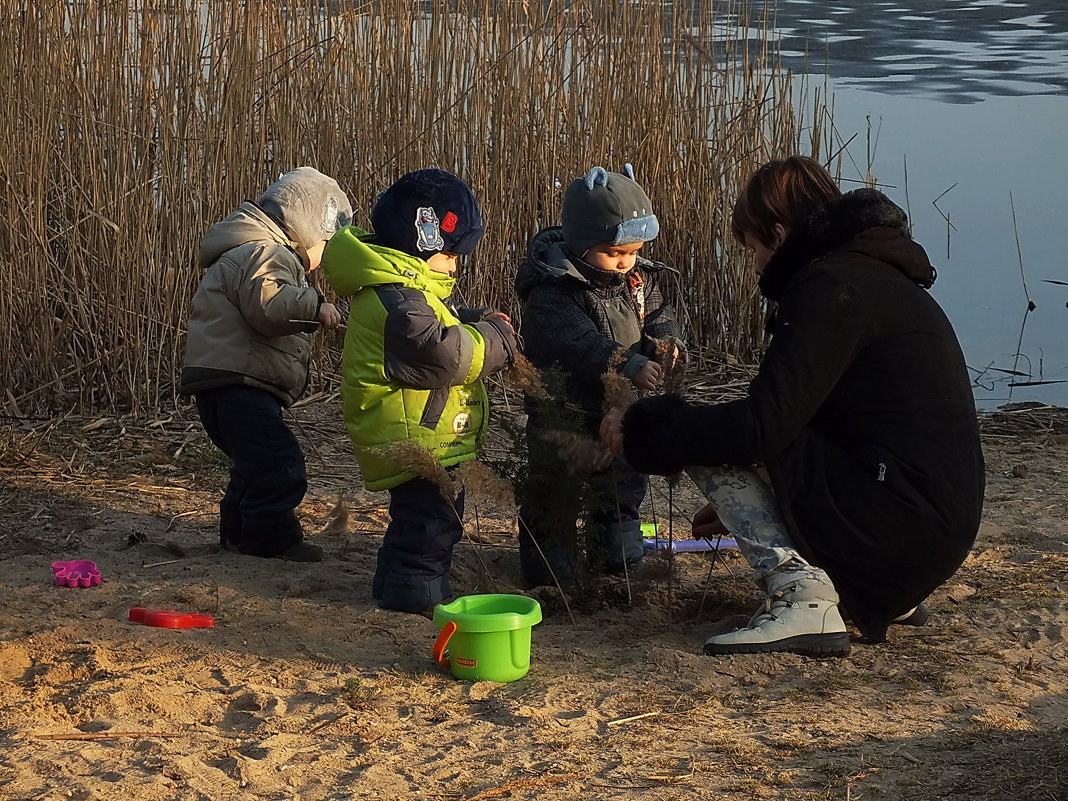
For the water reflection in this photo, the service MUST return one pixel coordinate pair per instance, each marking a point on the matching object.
(957, 52)
(964, 105)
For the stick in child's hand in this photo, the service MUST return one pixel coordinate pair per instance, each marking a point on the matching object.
(315, 322)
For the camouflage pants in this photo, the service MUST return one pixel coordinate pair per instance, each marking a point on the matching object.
(747, 507)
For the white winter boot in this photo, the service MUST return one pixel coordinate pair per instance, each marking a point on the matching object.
(787, 623)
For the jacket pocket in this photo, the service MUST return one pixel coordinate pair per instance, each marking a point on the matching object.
(435, 405)
(282, 361)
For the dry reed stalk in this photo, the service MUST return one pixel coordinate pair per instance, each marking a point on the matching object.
(481, 484)
(133, 125)
(415, 459)
(105, 735)
(580, 453)
(525, 376)
(619, 392)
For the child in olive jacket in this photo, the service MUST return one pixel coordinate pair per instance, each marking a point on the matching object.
(413, 370)
(590, 306)
(249, 342)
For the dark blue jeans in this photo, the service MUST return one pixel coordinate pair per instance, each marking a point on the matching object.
(416, 553)
(257, 514)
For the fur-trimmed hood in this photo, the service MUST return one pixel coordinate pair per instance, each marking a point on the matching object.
(548, 259)
(864, 222)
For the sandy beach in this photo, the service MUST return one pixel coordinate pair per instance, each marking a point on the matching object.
(305, 690)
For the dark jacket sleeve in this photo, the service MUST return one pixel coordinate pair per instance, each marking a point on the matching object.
(499, 343)
(557, 328)
(419, 351)
(821, 328)
(473, 314)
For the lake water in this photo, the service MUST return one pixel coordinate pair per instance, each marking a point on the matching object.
(967, 102)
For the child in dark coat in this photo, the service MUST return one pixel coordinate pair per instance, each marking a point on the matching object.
(591, 306)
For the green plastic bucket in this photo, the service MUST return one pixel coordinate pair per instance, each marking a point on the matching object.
(486, 637)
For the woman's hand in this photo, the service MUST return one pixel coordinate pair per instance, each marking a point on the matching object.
(612, 431)
(707, 525)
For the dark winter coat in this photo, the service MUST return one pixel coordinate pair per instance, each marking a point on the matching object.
(861, 411)
(250, 319)
(589, 321)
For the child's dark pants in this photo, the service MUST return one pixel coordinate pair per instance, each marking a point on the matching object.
(267, 480)
(558, 492)
(416, 554)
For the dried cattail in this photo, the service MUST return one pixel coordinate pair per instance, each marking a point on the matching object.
(579, 452)
(482, 484)
(413, 458)
(619, 392)
(337, 519)
(525, 376)
(671, 358)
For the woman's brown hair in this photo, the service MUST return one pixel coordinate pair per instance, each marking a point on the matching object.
(785, 191)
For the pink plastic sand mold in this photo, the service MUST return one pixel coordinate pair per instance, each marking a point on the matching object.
(79, 573)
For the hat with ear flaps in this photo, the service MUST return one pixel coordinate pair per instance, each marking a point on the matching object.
(607, 208)
(308, 205)
(428, 211)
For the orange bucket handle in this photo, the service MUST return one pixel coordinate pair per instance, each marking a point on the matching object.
(442, 642)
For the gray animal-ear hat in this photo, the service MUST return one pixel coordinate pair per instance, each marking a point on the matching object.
(607, 208)
(308, 205)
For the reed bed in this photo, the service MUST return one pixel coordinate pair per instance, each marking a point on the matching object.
(132, 125)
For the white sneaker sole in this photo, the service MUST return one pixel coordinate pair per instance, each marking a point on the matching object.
(835, 644)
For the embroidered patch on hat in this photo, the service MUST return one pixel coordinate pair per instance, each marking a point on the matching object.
(331, 217)
(428, 228)
(448, 225)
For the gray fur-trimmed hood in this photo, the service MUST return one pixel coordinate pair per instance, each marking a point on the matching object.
(863, 222)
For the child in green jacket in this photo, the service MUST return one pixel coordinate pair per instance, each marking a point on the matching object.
(413, 370)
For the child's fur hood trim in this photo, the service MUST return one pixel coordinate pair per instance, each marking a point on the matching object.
(549, 260)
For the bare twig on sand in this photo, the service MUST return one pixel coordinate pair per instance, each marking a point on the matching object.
(631, 718)
(108, 735)
(508, 788)
(161, 564)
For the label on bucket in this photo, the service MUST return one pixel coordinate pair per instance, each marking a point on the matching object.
(469, 663)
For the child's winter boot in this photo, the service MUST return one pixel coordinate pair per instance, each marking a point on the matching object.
(623, 545)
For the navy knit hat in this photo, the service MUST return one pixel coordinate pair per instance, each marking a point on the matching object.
(606, 208)
(426, 212)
